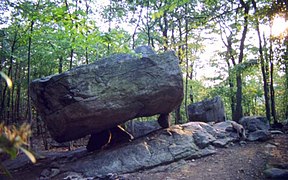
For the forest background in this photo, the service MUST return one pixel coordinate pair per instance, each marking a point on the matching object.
(235, 49)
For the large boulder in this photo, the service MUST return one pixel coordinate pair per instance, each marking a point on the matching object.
(99, 96)
(209, 110)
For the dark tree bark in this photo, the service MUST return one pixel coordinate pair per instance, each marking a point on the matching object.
(60, 67)
(71, 58)
(285, 59)
(29, 75)
(272, 91)
(239, 110)
(230, 57)
(187, 62)
(135, 30)
(86, 38)
(163, 24)
(263, 67)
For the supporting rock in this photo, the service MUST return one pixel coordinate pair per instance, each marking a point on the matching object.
(164, 120)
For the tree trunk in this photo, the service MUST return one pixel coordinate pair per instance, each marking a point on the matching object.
(286, 75)
(178, 118)
(71, 58)
(238, 114)
(29, 75)
(187, 63)
(164, 30)
(4, 107)
(272, 91)
(263, 66)
(272, 94)
(239, 110)
(60, 67)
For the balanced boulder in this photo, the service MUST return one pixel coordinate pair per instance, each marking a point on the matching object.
(96, 97)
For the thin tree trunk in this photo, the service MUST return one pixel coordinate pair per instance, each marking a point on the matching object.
(239, 110)
(272, 94)
(230, 56)
(136, 27)
(272, 91)
(286, 76)
(148, 27)
(71, 58)
(164, 30)
(86, 38)
(187, 63)
(29, 75)
(263, 69)
(178, 118)
(60, 67)
(5, 89)
(231, 89)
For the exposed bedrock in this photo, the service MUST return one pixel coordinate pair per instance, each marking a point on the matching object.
(96, 97)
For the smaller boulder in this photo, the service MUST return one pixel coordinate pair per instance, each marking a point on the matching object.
(209, 110)
(141, 128)
(254, 123)
(257, 127)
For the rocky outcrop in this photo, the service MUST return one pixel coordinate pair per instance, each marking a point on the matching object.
(209, 110)
(257, 127)
(188, 141)
(99, 96)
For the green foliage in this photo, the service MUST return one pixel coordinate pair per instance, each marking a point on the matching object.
(12, 140)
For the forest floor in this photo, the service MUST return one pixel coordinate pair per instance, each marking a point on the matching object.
(243, 162)
(238, 161)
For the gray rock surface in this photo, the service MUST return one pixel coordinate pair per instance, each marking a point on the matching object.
(257, 127)
(161, 147)
(141, 128)
(188, 141)
(209, 110)
(259, 135)
(254, 123)
(99, 96)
